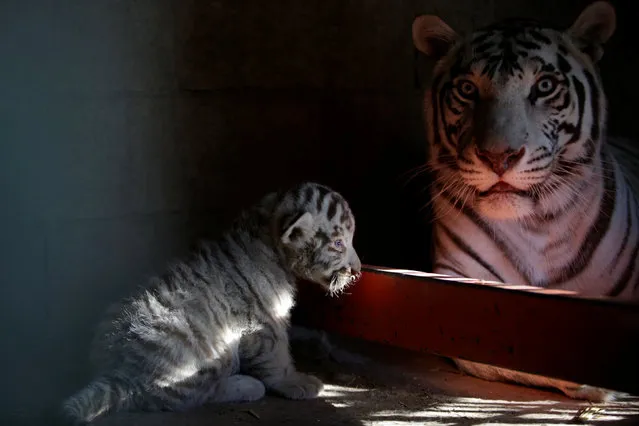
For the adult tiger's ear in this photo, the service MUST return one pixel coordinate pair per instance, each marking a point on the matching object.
(432, 36)
(299, 231)
(592, 29)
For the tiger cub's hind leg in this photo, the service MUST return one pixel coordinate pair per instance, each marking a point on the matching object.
(215, 382)
(208, 388)
(570, 389)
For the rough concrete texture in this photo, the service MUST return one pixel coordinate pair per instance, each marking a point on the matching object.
(376, 385)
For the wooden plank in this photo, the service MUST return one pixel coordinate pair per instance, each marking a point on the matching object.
(556, 334)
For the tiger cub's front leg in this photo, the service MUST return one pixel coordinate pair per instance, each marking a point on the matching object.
(266, 355)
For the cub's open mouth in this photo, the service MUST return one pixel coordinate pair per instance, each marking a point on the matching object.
(503, 188)
(341, 280)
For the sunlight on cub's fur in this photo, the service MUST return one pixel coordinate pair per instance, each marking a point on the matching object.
(214, 327)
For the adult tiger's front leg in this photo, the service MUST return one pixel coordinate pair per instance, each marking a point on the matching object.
(570, 389)
(499, 374)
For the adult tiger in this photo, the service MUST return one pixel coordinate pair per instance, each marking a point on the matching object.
(526, 188)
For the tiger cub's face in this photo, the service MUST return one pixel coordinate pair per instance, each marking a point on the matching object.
(515, 112)
(318, 244)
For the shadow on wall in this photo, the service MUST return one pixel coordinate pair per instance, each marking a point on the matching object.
(274, 95)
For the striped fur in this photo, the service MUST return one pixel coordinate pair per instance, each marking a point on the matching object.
(214, 327)
(526, 188)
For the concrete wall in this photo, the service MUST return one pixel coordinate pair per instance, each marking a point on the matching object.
(130, 128)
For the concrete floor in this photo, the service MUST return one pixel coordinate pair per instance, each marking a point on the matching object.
(374, 385)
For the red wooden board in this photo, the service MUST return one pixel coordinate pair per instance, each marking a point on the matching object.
(593, 341)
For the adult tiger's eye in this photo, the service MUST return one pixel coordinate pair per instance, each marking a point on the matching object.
(546, 85)
(467, 89)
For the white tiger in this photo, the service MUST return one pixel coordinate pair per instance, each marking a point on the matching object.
(527, 189)
(213, 328)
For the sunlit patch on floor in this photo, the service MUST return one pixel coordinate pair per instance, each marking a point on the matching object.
(334, 391)
(401, 388)
(444, 411)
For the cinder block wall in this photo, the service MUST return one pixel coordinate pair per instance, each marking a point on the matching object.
(130, 128)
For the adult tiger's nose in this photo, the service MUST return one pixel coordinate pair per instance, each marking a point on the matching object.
(500, 161)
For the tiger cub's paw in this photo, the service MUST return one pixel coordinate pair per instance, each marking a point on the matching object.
(298, 386)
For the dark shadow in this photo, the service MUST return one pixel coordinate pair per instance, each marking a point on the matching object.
(269, 96)
(268, 411)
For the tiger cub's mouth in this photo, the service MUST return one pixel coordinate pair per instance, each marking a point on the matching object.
(341, 280)
(503, 188)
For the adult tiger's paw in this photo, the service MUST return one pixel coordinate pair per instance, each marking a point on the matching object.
(591, 393)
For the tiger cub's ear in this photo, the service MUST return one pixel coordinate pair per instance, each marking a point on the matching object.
(592, 29)
(432, 36)
(299, 231)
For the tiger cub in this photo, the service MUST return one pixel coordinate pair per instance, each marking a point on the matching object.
(214, 327)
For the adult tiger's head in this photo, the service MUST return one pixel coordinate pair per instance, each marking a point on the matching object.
(515, 112)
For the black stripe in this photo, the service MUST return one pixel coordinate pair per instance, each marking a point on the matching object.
(594, 105)
(212, 311)
(564, 65)
(453, 128)
(214, 265)
(537, 158)
(240, 242)
(436, 111)
(308, 195)
(567, 236)
(232, 262)
(589, 156)
(295, 234)
(142, 347)
(474, 217)
(332, 207)
(626, 234)
(538, 36)
(482, 36)
(323, 192)
(535, 223)
(470, 252)
(528, 45)
(546, 66)
(623, 281)
(554, 98)
(322, 236)
(199, 275)
(597, 232)
(566, 101)
(446, 157)
(581, 100)
(442, 265)
(346, 218)
(172, 332)
(199, 336)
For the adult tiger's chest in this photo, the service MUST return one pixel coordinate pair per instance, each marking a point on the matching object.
(579, 250)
